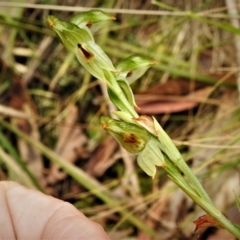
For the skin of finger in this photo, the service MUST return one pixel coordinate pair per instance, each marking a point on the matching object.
(80, 227)
(38, 216)
(6, 229)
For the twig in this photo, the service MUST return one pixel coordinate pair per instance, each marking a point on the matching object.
(109, 10)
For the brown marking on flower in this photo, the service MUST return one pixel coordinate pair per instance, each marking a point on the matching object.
(131, 139)
(129, 74)
(86, 54)
(89, 24)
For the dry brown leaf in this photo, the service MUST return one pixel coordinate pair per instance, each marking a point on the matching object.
(21, 100)
(164, 105)
(174, 87)
(168, 211)
(155, 214)
(70, 144)
(101, 159)
(205, 221)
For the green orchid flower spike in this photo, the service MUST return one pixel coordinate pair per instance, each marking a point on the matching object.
(139, 135)
(80, 41)
(136, 140)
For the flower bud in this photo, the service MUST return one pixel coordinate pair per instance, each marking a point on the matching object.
(133, 67)
(94, 59)
(90, 19)
(69, 34)
(136, 140)
(130, 136)
(80, 41)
